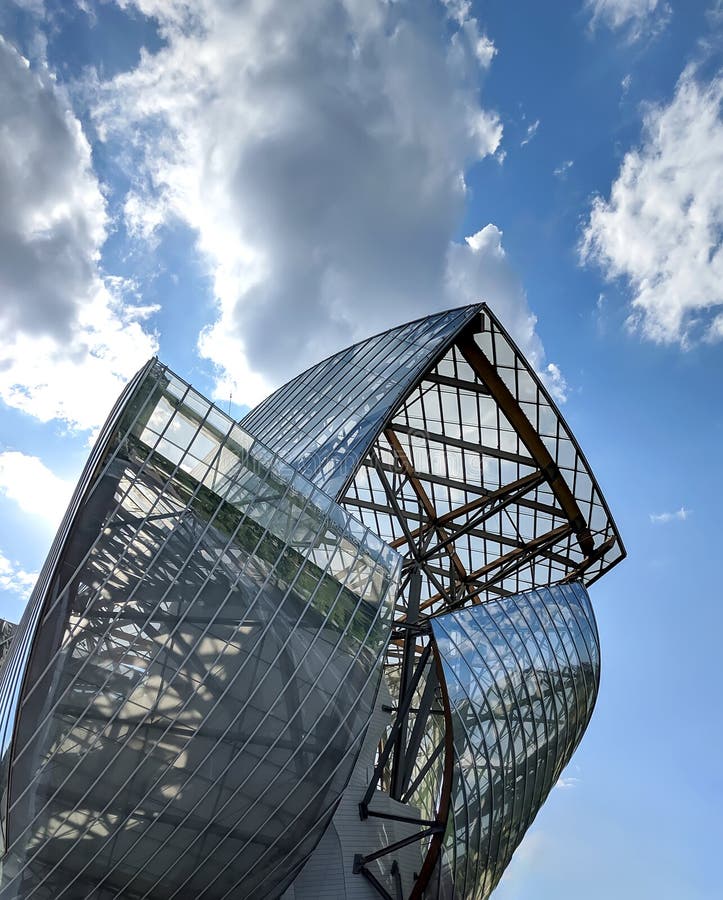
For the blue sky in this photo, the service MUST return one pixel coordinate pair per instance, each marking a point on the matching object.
(245, 188)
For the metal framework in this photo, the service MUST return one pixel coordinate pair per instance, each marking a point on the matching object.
(478, 482)
(7, 629)
(475, 478)
(422, 680)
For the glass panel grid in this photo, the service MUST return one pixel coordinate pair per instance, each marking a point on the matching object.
(522, 675)
(222, 591)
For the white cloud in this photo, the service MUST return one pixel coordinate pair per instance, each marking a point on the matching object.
(662, 228)
(460, 11)
(564, 167)
(567, 782)
(555, 381)
(714, 13)
(319, 150)
(680, 515)
(484, 49)
(14, 579)
(70, 339)
(29, 483)
(531, 132)
(479, 269)
(635, 18)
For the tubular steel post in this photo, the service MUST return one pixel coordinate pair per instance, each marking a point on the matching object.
(445, 798)
(410, 644)
(405, 703)
(434, 829)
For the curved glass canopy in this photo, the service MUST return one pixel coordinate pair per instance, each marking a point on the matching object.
(522, 675)
(444, 441)
(324, 420)
(197, 668)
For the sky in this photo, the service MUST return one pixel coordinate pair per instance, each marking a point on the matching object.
(245, 187)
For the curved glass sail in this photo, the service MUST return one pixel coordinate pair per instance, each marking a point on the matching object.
(522, 675)
(200, 664)
(324, 420)
(442, 426)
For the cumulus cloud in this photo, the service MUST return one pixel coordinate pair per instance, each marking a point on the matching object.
(661, 229)
(318, 149)
(555, 381)
(634, 18)
(460, 11)
(680, 515)
(70, 339)
(34, 6)
(29, 483)
(479, 268)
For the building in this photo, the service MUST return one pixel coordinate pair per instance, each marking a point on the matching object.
(341, 649)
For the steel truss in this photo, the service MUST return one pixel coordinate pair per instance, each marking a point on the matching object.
(477, 481)
(516, 521)
(397, 764)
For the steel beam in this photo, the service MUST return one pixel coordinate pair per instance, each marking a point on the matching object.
(514, 413)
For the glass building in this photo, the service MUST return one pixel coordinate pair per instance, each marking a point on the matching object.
(340, 649)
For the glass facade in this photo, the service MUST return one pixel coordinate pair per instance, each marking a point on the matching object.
(522, 675)
(333, 422)
(184, 701)
(204, 655)
(324, 420)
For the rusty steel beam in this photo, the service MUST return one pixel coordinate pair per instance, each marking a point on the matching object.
(533, 546)
(597, 554)
(549, 537)
(445, 795)
(482, 516)
(423, 498)
(527, 483)
(469, 488)
(530, 438)
(457, 383)
(481, 449)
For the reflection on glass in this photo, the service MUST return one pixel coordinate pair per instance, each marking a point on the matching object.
(522, 675)
(305, 422)
(204, 668)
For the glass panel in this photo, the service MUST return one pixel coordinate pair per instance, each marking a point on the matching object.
(522, 675)
(329, 436)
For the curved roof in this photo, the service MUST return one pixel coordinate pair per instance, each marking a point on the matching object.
(441, 437)
(323, 421)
